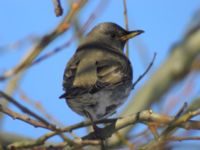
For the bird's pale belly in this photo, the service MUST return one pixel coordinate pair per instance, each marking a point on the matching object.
(100, 104)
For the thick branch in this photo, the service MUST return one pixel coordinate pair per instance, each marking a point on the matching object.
(35, 51)
(116, 124)
(174, 69)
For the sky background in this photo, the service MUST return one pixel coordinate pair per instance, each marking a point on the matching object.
(164, 23)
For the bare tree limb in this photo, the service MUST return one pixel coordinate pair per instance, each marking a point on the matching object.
(18, 71)
(118, 124)
(126, 25)
(176, 138)
(174, 69)
(145, 72)
(31, 113)
(35, 51)
(25, 110)
(90, 19)
(24, 118)
(38, 106)
(170, 129)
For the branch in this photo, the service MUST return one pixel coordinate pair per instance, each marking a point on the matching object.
(24, 118)
(114, 126)
(178, 121)
(126, 25)
(45, 41)
(38, 48)
(10, 88)
(170, 129)
(29, 112)
(90, 19)
(38, 106)
(25, 110)
(146, 71)
(58, 8)
(174, 69)
(176, 138)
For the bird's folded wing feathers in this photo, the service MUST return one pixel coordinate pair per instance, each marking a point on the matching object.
(109, 72)
(86, 74)
(91, 75)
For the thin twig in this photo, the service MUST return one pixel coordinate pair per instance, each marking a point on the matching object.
(24, 109)
(91, 18)
(170, 129)
(126, 25)
(62, 27)
(24, 118)
(178, 120)
(18, 71)
(38, 106)
(146, 71)
(164, 78)
(176, 138)
(11, 86)
(181, 111)
(19, 44)
(57, 8)
(45, 41)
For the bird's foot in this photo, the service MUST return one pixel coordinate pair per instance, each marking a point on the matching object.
(98, 132)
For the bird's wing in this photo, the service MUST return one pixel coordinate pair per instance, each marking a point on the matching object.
(90, 72)
(80, 74)
(113, 71)
(69, 73)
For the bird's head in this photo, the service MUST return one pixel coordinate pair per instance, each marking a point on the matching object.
(112, 35)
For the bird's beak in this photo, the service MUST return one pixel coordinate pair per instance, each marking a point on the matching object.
(131, 34)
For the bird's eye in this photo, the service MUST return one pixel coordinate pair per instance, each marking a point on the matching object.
(112, 35)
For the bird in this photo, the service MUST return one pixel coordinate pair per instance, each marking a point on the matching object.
(99, 76)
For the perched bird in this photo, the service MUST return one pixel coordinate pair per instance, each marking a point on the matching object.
(98, 78)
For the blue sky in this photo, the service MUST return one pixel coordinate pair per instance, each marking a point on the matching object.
(164, 23)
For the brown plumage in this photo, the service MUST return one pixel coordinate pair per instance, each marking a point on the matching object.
(98, 78)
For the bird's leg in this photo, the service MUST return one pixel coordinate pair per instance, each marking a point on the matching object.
(96, 129)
